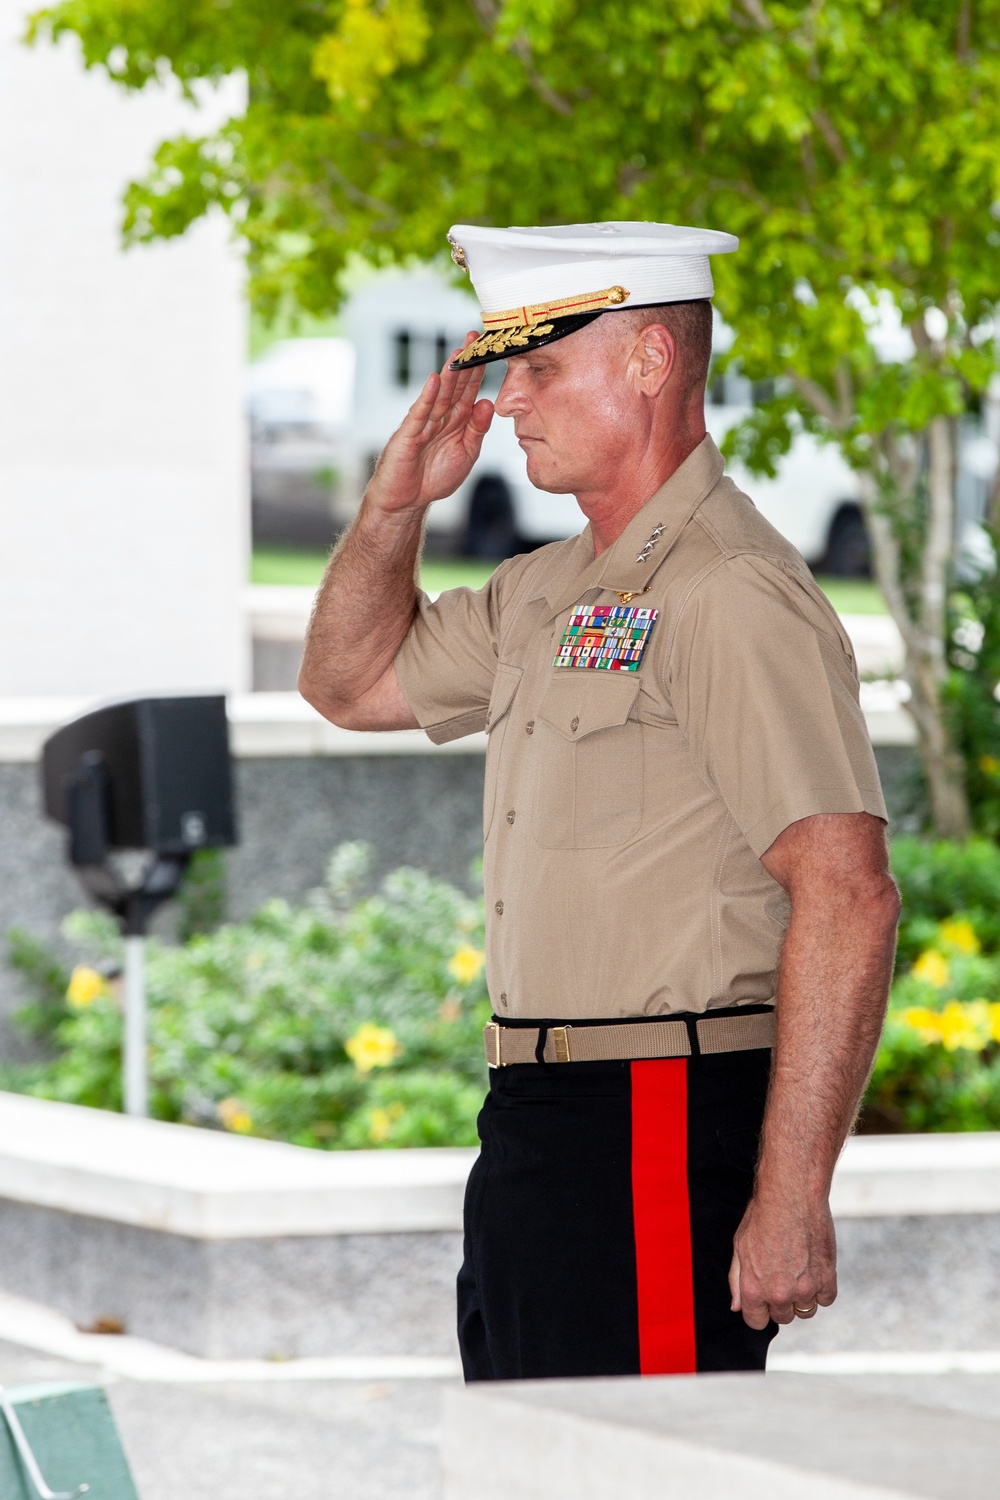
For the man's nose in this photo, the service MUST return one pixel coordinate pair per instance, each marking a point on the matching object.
(510, 399)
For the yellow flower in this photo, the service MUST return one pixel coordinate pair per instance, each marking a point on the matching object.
(466, 964)
(85, 986)
(994, 1015)
(932, 967)
(382, 1122)
(989, 764)
(234, 1116)
(958, 932)
(969, 1026)
(372, 1046)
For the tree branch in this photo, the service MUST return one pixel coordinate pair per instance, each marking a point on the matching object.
(817, 397)
(887, 560)
(964, 40)
(488, 12)
(830, 134)
(918, 333)
(940, 535)
(356, 195)
(545, 91)
(758, 15)
(993, 509)
(845, 393)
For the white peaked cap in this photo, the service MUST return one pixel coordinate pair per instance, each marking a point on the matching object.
(525, 277)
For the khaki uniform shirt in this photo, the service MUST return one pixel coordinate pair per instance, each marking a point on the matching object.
(625, 812)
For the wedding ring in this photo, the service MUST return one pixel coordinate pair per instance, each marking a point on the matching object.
(805, 1312)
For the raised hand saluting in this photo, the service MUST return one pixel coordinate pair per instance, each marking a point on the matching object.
(437, 443)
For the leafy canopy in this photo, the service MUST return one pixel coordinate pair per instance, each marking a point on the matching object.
(849, 143)
(853, 145)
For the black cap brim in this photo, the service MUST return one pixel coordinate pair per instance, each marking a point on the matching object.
(505, 343)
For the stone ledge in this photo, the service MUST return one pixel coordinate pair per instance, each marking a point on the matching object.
(209, 1185)
(899, 1175)
(262, 726)
(271, 1248)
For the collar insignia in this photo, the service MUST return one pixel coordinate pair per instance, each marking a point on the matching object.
(654, 537)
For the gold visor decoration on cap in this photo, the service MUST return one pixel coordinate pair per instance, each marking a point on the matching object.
(518, 326)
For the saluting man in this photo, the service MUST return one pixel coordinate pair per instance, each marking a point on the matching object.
(691, 923)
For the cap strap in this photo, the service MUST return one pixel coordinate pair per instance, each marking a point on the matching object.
(527, 317)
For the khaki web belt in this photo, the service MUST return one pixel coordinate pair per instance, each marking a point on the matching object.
(614, 1042)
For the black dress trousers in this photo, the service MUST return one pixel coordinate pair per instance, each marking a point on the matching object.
(600, 1215)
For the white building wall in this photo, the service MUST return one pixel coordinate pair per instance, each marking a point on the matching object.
(124, 524)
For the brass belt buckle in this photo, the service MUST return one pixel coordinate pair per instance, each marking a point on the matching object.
(492, 1033)
(560, 1040)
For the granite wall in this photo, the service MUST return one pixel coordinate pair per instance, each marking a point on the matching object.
(422, 810)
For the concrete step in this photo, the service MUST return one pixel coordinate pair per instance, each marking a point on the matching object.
(712, 1437)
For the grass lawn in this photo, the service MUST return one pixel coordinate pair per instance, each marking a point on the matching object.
(849, 596)
(289, 565)
(853, 596)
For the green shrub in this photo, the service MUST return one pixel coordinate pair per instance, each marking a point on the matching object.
(942, 879)
(938, 1067)
(974, 672)
(348, 1022)
(340, 1023)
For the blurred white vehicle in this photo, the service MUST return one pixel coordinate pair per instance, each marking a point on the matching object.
(813, 500)
(323, 409)
(299, 400)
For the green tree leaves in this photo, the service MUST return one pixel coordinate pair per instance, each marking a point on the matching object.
(854, 145)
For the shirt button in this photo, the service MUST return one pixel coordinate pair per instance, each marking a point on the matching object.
(529, 728)
(575, 725)
(499, 908)
(511, 816)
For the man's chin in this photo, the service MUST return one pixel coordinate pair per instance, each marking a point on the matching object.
(544, 477)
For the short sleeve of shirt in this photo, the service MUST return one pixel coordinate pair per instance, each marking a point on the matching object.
(767, 698)
(448, 660)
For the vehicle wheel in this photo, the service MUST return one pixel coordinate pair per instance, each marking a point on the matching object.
(848, 552)
(490, 532)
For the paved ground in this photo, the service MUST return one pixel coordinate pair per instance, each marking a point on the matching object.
(316, 1440)
(335, 1440)
(976, 1395)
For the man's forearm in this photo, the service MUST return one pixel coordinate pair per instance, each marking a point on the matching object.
(836, 967)
(366, 603)
(835, 973)
(363, 611)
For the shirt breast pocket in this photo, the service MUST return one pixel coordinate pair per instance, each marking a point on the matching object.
(589, 762)
(505, 685)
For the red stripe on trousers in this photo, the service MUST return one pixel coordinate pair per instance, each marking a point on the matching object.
(661, 1217)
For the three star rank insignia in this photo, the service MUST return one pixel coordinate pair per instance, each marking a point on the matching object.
(605, 637)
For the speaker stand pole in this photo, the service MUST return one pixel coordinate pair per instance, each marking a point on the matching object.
(136, 1086)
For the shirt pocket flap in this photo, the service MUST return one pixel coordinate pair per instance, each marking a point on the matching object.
(505, 685)
(580, 702)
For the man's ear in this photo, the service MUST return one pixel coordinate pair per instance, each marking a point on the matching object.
(654, 357)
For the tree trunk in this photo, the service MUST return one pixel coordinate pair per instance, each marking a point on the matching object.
(923, 627)
(993, 508)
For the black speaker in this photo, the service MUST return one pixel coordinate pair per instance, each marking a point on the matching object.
(153, 773)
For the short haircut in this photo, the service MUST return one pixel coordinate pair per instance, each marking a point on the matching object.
(690, 323)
